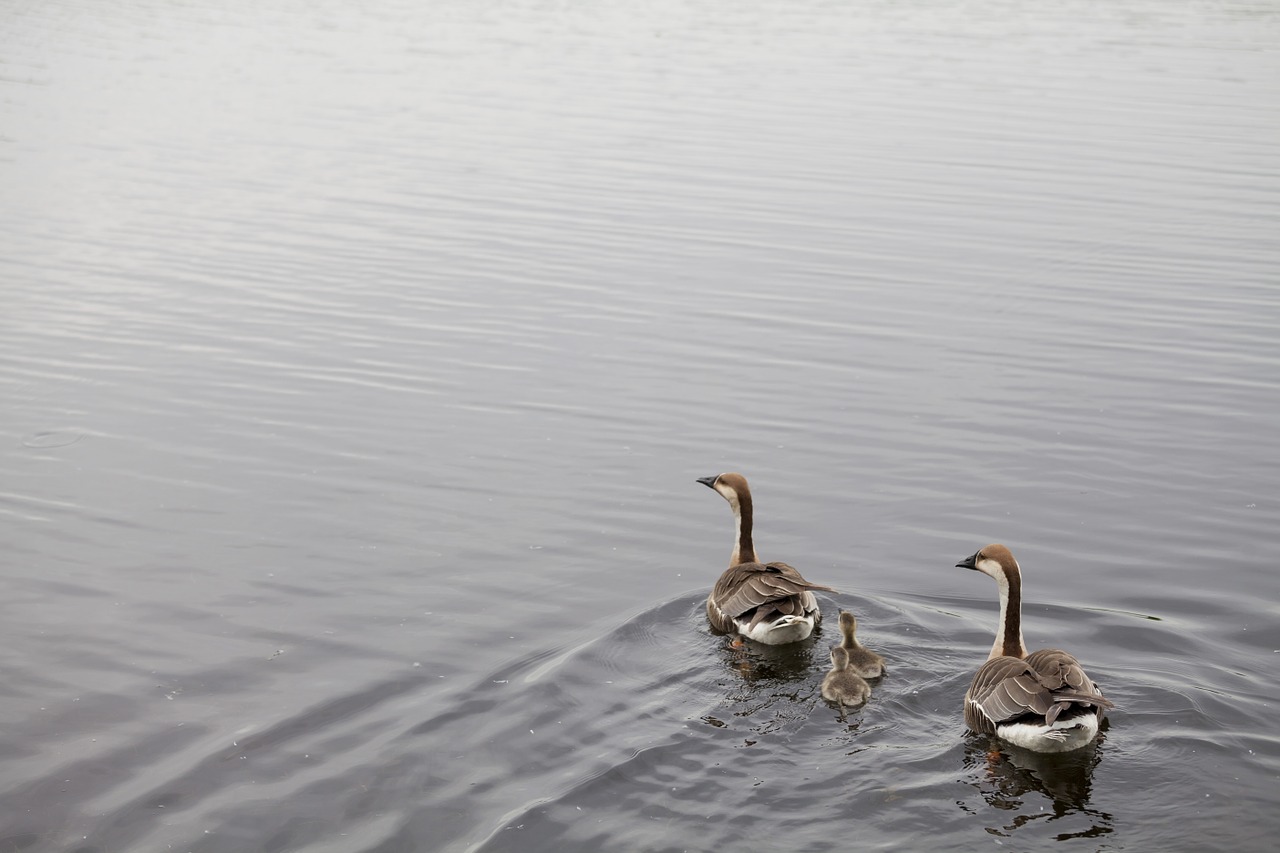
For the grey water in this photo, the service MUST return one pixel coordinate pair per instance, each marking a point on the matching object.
(358, 362)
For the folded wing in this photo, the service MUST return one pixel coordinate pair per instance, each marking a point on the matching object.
(770, 589)
(1045, 684)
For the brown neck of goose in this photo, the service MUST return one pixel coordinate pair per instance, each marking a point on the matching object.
(1009, 633)
(743, 550)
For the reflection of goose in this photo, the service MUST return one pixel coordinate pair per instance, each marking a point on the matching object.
(767, 602)
(1006, 775)
(772, 666)
(1043, 701)
(842, 685)
(862, 660)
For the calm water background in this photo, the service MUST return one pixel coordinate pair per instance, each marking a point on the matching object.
(358, 361)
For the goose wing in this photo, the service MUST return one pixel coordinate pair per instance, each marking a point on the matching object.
(1063, 676)
(746, 586)
(1005, 688)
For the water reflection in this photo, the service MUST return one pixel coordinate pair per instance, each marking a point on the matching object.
(354, 304)
(759, 664)
(770, 688)
(1008, 778)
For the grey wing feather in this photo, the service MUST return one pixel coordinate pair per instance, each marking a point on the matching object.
(1062, 674)
(752, 586)
(1045, 683)
(749, 585)
(1003, 688)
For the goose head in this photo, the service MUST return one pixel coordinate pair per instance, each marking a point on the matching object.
(995, 561)
(731, 487)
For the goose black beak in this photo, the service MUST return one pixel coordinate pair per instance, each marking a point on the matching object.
(709, 482)
(969, 562)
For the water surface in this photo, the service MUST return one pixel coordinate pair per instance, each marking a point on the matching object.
(358, 365)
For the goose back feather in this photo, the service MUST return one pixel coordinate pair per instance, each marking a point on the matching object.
(757, 592)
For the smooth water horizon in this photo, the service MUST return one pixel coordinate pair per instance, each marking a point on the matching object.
(359, 364)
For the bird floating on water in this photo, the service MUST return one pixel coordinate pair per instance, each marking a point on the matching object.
(862, 660)
(842, 685)
(767, 602)
(1041, 701)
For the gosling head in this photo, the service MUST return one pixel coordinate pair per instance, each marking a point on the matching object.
(993, 560)
(839, 657)
(848, 624)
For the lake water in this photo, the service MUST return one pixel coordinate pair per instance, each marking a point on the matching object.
(359, 360)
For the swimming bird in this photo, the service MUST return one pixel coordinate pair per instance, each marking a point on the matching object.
(767, 602)
(842, 685)
(862, 660)
(1041, 701)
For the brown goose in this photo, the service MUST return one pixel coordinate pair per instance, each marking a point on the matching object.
(842, 685)
(1041, 701)
(767, 602)
(862, 660)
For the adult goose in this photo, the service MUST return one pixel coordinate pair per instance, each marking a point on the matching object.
(862, 660)
(767, 602)
(1041, 701)
(842, 685)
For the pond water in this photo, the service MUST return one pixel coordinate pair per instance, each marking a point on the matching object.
(359, 361)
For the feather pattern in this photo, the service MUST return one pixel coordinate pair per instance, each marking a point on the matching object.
(771, 590)
(1044, 685)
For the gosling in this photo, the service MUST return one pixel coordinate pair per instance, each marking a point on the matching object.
(842, 685)
(862, 660)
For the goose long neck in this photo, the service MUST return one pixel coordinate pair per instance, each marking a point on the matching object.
(743, 550)
(1009, 632)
